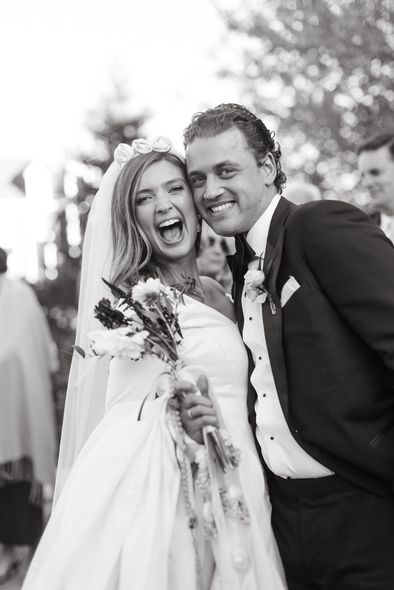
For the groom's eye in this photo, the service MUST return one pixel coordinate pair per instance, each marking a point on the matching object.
(197, 181)
(226, 172)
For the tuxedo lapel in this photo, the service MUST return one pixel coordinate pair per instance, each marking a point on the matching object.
(272, 317)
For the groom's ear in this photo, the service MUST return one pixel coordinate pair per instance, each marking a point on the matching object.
(268, 168)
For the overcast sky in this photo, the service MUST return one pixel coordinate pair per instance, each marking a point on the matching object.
(58, 58)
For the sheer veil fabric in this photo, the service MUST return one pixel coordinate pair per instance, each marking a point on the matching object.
(85, 398)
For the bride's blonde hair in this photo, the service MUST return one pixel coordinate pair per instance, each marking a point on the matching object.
(132, 251)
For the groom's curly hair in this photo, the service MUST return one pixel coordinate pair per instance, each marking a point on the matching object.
(260, 139)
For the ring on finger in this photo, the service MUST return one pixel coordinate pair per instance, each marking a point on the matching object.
(189, 413)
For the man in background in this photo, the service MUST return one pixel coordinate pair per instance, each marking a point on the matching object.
(376, 165)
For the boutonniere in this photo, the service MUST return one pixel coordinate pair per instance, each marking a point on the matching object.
(255, 288)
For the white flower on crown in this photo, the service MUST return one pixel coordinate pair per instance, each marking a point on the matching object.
(140, 146)
(122, 154)
(161, 144)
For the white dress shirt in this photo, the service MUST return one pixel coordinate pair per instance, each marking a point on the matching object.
(387, 225)
(280, 450)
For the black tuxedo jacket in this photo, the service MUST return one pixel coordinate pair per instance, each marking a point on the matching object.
(331, 346)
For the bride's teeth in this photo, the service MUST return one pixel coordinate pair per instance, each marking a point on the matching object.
(221, 207)
(168, 222)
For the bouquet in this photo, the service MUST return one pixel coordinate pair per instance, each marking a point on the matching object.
(142, 322)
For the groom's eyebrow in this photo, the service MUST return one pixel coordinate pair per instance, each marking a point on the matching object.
(215, 167)
(225, 163)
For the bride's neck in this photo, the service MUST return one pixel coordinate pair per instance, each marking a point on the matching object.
(181, 276)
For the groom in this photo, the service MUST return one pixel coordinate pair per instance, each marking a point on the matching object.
(320, 339)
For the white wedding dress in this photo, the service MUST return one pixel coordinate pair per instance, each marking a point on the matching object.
(120, 522)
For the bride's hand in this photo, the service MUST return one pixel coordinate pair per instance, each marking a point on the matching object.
(196, 410)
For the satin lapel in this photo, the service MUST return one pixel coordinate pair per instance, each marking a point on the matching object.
(236, 291)
(273, 321)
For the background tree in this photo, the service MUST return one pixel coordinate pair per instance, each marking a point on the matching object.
(322, 72)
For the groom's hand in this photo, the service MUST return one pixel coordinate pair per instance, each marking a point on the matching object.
(196, 409)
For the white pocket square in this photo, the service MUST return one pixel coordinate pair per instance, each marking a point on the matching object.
(289, 288)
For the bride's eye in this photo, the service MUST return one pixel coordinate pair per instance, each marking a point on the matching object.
(143, 199)
(176, 188)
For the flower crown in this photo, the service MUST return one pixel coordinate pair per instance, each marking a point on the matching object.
(125, 152)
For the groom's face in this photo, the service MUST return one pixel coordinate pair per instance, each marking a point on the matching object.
(229, 188)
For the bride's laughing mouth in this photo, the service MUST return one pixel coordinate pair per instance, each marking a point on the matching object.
(172, 230)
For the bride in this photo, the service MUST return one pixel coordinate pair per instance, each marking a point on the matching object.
(121, 515)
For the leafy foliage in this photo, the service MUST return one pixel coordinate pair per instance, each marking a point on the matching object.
(323, 73)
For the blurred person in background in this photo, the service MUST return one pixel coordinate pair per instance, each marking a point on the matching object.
(300, 192)
(212, 261)
(27, 420)
(376, 166)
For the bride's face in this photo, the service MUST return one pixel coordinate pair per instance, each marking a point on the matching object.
(165, 211)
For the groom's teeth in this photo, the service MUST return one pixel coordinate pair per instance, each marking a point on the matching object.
(221, 207)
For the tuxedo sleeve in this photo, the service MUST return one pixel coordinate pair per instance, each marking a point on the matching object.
(353, 262)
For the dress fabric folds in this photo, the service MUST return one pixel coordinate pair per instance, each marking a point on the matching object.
(120, 521)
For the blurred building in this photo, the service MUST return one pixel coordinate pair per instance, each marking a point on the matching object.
(27, 207)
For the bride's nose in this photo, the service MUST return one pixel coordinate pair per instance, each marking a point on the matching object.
(163, 202)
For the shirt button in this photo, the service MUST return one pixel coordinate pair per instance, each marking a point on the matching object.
(260, 358)
(250, 318)
(264, 395)
(271, 438)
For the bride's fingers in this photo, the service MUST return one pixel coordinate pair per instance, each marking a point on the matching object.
(203, 385)
(199, 423)
(196, 411)
(184, 388)
(195, 399)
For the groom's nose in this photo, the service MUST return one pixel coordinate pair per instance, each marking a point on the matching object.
(213, 187)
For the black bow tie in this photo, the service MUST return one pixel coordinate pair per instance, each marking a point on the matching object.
(243, 250)
(238, 262)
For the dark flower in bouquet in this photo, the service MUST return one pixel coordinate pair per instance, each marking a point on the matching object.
(109, 317)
